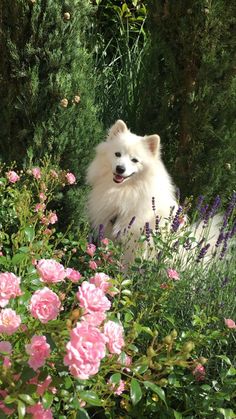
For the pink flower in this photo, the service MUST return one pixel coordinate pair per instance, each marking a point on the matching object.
(6, 362)
(230, 323)
(38, 412)
(95, 319)
(12, 176)
(50, 271)
(40, 207)
(172, 274)
(85, 350)
(39, 351)
(117, 388)
(93, 265)
(44, 386)
(54, 174)
(114, 336)
(42, 196)
(52, 218)
(102, 281)
(199, 372)
(125, 360)
(91, 249)
(105, 241)
(36, 172)
(73, 275)
(44, 305)
(70, 178)
(9, 287)
(9, 321)
(92, 299)
(5, 347)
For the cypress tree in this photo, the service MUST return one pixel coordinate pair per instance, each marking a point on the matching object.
(47, 85)
(188, 92)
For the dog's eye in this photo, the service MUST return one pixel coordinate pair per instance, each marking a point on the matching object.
(118, 154)
(134, 160)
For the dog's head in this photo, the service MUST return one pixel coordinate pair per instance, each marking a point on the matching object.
(128, 153)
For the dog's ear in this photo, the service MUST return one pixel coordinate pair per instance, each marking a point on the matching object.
(153, 142)
(118, 127)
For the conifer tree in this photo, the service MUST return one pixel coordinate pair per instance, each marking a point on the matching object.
(188, 93)
(47, 85)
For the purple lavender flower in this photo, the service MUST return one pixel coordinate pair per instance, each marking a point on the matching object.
(212, 211)
(199, 203)
(188, 244)
(101, 232)
(229, 210)
(225, 281)
(153, 204)
(220, 238)
(131, 222)
(157, 221)
(225, 245)
(176, 221)
(203, 252)
(233, 230)
(147, 231)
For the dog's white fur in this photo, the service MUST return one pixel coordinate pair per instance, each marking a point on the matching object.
(114, 204)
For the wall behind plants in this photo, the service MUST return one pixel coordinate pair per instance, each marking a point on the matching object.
(48, 84)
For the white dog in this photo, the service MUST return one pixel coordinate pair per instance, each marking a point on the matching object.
(126, 174)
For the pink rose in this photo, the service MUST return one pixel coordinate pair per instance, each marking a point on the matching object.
(95, 319)
(12, 176)
(230, 323)
(91, 249)
(92, 299)
(36, 172)
(9, 287)
(44, 305)
(105, 241)
(52, 218)
(39, 351)
(42, 196)
(70, 178)
(117, 388)
(93, 265)
(199, 372)
(85, 350)
(39, 207)
(102, 281)
(5, 347)
(38, 412)
(9, 321)
(114, 336)
(50, 271)
(172, 274)
(73, 275)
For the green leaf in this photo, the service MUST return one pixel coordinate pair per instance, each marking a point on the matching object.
(27, 399)
(18, 258)
(141, 369)
(21, 409)
(224, 358)
(27, 373)
(47, 400)
(115, 378)
(177, 415)
(9, 399)
(90, 397)
(227, 413)
(135, 391)
(82, 414)
(30, 233)
(158, 390)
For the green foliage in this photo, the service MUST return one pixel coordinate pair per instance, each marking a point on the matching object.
(119, 39)
(190, 92)
(47, 78)
(178, 357)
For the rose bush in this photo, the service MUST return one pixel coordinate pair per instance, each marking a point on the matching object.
(80, 336)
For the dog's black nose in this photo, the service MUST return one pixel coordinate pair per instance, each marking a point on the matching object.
(120, 169)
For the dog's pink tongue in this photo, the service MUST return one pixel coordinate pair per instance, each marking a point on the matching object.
(118, 178)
